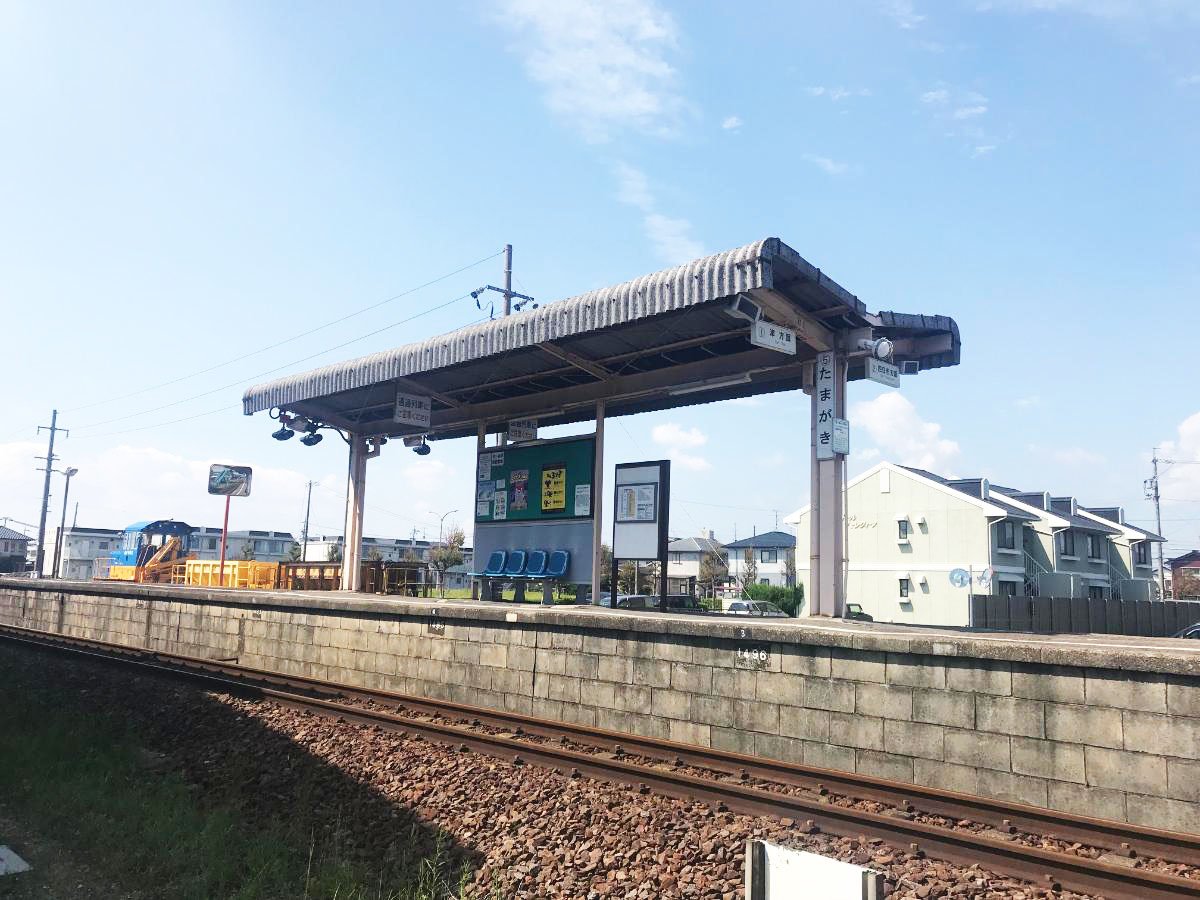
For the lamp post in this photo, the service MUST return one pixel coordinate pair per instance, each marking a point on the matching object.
(58, 543)
(441, 522)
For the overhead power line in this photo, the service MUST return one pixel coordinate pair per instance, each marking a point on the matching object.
(286, 365)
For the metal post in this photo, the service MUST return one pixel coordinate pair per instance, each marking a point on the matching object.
(40, 558)
(307, 511)
(355, 502)
(598, 505)
(60, 540)
(224, 540)
(508, 279)
(480, 444)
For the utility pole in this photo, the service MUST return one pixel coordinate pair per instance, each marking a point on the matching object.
(507, 279)
(307, 510)
(49, 458)
(1151, 486)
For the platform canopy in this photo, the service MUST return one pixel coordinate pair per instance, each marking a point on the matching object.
(661, 341)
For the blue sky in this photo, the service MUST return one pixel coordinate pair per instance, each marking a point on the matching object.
(183, 185)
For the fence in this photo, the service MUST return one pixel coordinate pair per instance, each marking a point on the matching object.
(408, 577)
(1083, 615)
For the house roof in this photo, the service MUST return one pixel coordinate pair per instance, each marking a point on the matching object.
(973, 487)
(1188, 560)
(695, 545)
(8, 534)
(660, 341)
(1113, 514)
(768, 539)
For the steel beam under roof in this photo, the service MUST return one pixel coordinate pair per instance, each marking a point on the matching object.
(660, 341)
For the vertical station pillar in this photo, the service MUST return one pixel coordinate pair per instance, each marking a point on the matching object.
(598, 502)
(827, 550)
(356, 487)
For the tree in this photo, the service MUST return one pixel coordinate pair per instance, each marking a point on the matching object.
(334, 553)
(605, 567)
(373, 555)
(294, 553)
(247, 550)
(749, 573)
(789, 567)
(448, 553)
(713, 568)
(626, 577)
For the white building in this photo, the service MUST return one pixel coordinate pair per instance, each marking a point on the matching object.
(684, 558)
(772, 552)
(81, 547)
(908, 530)
(266, 546)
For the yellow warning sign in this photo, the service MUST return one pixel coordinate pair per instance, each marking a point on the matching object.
(554, 488)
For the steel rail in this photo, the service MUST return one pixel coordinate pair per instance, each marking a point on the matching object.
(1044, 867)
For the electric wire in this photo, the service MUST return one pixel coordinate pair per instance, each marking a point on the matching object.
(289, 340)
(272, 371)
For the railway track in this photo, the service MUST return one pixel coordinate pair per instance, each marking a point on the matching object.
(718, 778)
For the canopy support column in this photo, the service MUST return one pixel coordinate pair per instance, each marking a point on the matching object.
(827, 531)
(598, 502)
(356, 488)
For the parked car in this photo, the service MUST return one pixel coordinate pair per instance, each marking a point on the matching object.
(1192, 631)
(674, 602)
(855, 611)
(755, 608)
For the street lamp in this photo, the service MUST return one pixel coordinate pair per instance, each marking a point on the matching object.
(58, 543)
(441, 522)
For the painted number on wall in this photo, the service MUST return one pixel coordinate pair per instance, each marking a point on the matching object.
(753, 656)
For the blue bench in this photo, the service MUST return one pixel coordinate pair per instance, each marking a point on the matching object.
(521, 567)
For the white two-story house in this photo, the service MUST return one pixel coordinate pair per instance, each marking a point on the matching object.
(919, 545)
(685, 559)
(773, 554)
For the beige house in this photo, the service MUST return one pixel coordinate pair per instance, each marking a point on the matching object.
(918, 545)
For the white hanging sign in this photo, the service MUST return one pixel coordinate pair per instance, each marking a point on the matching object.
(413, 410)
(773, 337)
(883, 372)
(520, 430)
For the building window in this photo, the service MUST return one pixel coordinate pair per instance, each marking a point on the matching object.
(212, 543)
(675, 557)
(902, 529)
(276, 547)
(1008, 589)
(1141, 555)
(1006, 539)
(768, 556)
(1094, 546)
(764, 581)
(1066, 542)
(1095, 592)
(905, 587)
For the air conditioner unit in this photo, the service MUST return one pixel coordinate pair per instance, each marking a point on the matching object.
(910, 367)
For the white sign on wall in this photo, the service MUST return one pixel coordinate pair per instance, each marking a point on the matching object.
(413, 410)
(773, 337)
(841, 436)
(520, 430)
(825, 390)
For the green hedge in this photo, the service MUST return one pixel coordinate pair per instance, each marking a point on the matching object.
(789, 599)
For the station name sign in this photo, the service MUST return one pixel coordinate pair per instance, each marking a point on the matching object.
(770, 336)
(521, 430)
(883, 372)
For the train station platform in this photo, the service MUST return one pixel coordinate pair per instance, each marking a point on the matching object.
(1095, 724)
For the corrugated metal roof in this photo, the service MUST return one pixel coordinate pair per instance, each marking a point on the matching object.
(711, 278)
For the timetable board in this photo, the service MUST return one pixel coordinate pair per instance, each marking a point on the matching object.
(538, 482)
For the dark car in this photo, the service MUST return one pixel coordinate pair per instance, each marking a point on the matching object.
(674, 602)
(755, 608)
(855, 611)
(1192, 631)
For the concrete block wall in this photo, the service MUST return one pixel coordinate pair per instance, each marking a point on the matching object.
(1089, 738)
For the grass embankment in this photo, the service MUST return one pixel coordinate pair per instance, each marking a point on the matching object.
(81, 777)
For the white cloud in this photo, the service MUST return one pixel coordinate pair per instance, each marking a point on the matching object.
(827, 165)
(969, 112)
(676, 441)
(602, 63)
(731, 123)
(670, 237)
(899, 432)
(1188, 80)
(982, 150)
(1181, 481)
(836, 93)
(1028, 402)
(941, 95)
(903, 12)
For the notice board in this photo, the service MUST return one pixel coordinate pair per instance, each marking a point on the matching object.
(539, 482)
